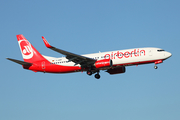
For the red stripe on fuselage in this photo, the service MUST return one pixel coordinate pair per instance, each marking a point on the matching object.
(138, 63)
(46, 66)
(54, 68)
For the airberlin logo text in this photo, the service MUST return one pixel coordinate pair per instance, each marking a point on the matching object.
(127, 54)
(26, 49)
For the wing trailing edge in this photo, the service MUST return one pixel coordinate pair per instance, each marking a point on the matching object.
(77, 59)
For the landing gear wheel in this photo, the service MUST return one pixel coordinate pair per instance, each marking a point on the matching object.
(155, 67)
(89, 72)
(97, 76)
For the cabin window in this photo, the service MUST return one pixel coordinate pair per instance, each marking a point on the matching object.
(120, 55)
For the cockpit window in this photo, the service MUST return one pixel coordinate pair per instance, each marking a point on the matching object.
(160, 50)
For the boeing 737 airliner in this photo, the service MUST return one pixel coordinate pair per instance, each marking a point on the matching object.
(114, 62)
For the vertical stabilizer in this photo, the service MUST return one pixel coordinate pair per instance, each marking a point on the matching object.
(29, 53)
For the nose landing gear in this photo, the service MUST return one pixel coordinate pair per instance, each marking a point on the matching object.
(155, 67)
(157, 62)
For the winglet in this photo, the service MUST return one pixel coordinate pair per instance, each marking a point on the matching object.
(46, 43)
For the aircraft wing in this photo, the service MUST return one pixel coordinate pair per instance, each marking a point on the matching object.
(20, 62)
(77, 59)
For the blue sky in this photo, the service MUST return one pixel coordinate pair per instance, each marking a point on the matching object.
(82, 27)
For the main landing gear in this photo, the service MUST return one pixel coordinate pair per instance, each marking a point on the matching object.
(97, 76)
(89, 72)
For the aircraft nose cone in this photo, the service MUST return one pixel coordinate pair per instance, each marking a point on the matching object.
(168, 54)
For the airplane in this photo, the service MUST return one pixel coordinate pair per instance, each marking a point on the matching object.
(113, 62)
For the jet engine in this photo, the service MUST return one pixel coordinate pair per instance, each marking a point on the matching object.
(103, 63)
(117, 70)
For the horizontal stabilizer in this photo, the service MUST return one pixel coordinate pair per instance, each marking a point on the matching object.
(20, 62)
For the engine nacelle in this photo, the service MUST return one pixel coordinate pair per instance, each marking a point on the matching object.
(117, 70)
(103, 63)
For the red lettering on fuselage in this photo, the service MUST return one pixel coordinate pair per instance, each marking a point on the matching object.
(127, 54)
(119, 55)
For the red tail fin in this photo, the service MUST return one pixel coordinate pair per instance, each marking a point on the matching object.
(29, 53)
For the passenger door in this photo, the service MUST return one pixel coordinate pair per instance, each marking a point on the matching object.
(43, 65)
(150, 52)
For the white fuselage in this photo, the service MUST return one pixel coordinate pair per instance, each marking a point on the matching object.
(120, 57)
